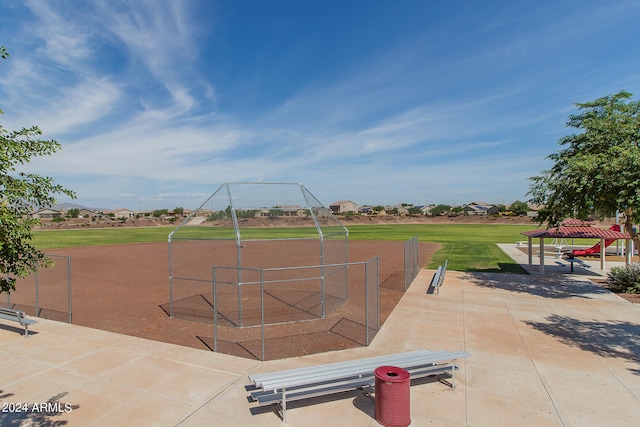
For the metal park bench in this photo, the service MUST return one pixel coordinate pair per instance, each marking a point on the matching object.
(285, 386)
(438, 277)
(17, 316)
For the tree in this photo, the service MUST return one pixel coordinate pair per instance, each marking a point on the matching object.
(249, 213)
(415, 211)
(440, 210)
(20, 194)
(519, 208)
(73, 213)
(215, 216)
(275, 213)
(160, 212)
(597, 173)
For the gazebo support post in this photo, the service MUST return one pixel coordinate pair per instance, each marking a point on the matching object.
(603, 251)
(530, 250)
(628, 252)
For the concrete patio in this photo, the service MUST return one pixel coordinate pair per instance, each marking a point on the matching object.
(546, 350)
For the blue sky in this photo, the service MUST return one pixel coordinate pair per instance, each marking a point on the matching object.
(157, 103)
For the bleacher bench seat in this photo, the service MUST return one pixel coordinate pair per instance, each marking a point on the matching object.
(17, 316)
(295, 384)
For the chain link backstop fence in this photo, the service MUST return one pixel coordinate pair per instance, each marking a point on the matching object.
(46, 293)
(271, 313)
(411, 267)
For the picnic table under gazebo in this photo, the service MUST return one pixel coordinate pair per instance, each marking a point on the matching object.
(576, 229)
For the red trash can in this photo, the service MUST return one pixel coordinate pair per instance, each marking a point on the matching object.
(393, 396)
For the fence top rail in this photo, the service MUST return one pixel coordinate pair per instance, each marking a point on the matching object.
(189, 279)
(266, 239)
(280, 239)
(58, 256)
(296, 267)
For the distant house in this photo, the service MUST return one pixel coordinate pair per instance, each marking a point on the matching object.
(88, 213)
(371, 210)
(202, 212)
(402, 210)
(533, 210)
(292, 210)
(47, 214)
(344, 206)
(397, 210)
(426, 210)
(480, 208)
(283, 210)
(366, 210)
(123, 213)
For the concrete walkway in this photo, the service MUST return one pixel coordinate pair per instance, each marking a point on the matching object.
(553, 350)
(554, 264)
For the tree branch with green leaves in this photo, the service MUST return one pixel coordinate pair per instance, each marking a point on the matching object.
(597, 172)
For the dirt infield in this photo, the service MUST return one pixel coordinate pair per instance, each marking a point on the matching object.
(125, 289)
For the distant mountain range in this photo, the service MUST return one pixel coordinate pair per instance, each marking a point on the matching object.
(66, 206)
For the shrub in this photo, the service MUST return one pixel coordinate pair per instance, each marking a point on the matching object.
(625, 279)
(217, 216)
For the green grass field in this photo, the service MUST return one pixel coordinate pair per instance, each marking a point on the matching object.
(468, 247)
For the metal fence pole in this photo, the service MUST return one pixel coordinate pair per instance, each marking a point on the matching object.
(346, 261)
(377, 291)
(322, 314)
(69, 289)
(239, 285)
(405, 251)
(215, 310)
(410, 261)
(170, 278)
(366, 303)
(416, 258)
(37, 293)
(264, 356)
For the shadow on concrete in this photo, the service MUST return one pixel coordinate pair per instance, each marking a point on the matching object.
(18, 330)
(503, 267)
(605, 339)
(41, 414)
(546, 287)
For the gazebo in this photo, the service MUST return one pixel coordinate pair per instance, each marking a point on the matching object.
(576, 229)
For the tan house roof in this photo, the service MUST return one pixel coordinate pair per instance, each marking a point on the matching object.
(46, 213)
(344, 206)
(122, 212)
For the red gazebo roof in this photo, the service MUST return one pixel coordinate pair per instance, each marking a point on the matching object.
(577, 232)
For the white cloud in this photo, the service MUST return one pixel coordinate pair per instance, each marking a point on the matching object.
(161, 37)
(123, 87)
(65, 40)
(85, 103)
